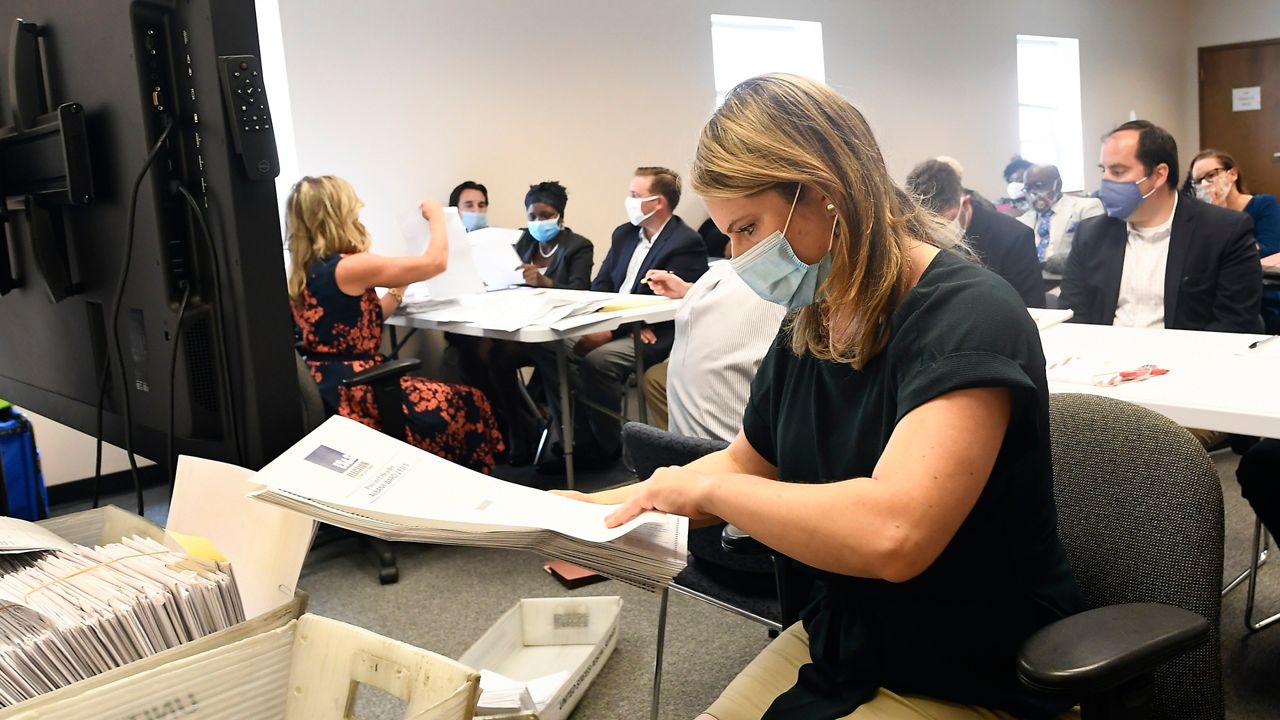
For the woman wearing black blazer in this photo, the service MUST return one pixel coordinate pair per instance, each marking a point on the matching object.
(563, 262)
(552, 256)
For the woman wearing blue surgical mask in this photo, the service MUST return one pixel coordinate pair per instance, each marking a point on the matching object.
(472, 200)
(895, 442)
(552, 256)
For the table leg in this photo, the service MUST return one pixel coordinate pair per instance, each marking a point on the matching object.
(657, 659)
(566, 411)
(644, 409)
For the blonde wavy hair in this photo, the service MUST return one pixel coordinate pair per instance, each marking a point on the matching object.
(776, 130)
(322, 219)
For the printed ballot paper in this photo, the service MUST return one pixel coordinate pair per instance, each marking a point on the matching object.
(347, 474)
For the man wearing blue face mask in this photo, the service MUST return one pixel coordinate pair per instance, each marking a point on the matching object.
(472, 200)
(1157, 260)
(652, 239)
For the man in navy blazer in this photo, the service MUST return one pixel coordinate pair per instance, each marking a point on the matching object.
(653, 239)
(1157, 259)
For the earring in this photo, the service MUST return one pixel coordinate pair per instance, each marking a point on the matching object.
(831, 208)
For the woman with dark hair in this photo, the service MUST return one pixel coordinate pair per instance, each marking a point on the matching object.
(1015, 200)
(551, 256)
(1216, 179)
(472, 200)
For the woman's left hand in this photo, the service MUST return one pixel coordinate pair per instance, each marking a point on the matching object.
(676, 490)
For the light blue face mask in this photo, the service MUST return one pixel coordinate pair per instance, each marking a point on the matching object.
(474, 220)
(773, 271)
(544, 230)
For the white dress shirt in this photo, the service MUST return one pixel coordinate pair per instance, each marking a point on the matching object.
(723, 330)
(1146, 255)
(637, 258)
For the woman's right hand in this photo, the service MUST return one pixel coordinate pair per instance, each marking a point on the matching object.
(431, 210)
(532, 277)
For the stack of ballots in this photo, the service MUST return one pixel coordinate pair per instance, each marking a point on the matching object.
(353, 476)
(69, 612)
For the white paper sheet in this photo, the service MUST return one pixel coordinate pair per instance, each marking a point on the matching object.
(1046, 319)
(349, 465)
(461, 276)
(495, 257)
(20, 536)
(266, 545)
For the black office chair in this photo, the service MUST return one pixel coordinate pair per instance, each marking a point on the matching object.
(384, 381)
(739, 583)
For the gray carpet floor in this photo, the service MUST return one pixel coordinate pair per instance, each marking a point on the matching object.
(448, 596)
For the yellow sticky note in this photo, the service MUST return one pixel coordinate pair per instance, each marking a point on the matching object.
(197, 547)
(634, 301)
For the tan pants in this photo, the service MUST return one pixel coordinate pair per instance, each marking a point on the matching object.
(776, 668)
(1209, 438)
(655, 394)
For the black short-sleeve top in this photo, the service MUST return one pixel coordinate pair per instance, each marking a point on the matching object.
(953, 631)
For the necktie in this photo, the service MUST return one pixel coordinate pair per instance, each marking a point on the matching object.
(1042, 232)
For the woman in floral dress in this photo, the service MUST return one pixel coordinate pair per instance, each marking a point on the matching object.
(339, 320)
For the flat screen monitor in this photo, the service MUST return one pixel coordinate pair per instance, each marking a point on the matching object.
(91, 91)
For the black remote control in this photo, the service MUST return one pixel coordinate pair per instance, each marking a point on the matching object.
(249, 116)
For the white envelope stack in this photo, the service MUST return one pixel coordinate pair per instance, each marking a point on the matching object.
(70, 613)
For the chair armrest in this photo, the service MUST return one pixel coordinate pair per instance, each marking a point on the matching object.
(383, 372)
(1097, 650)
(734, 540)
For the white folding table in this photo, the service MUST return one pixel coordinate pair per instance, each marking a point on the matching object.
(1215, 382)
(654, 313)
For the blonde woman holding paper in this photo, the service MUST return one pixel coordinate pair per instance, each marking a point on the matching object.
(338, 318)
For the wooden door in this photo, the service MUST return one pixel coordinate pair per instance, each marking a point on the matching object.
(1235, 79)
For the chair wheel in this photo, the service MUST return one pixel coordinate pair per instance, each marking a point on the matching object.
(388, 575)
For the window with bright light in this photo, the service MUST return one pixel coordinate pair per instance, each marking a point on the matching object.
(743, 47)
(1049, 105)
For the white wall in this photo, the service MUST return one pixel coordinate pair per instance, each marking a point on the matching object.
(67, 455)
(1222, 23)
(408, 98)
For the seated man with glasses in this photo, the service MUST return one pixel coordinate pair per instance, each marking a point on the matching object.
(1054, 216)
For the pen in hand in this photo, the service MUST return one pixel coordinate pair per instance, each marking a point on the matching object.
(1256, 343)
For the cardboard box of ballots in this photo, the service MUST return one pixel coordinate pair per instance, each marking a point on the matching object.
(537, 661)
(308, 669)
(210, 516)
